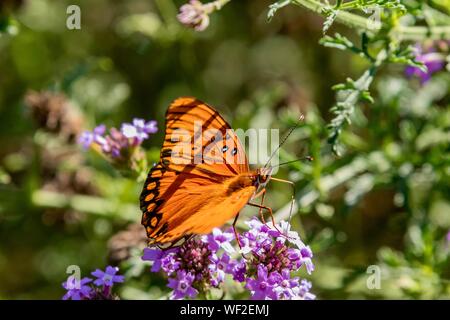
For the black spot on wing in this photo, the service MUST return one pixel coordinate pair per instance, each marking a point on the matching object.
(151, 217)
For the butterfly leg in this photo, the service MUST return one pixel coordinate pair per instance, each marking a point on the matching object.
(263, 193)
(292, 196)
(270, 212)
(235, 231)
(293, 191)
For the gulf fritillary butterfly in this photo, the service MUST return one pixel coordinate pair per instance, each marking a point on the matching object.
(182, 197)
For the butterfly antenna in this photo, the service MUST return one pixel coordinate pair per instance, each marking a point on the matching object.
(307, 158)
(300, 120)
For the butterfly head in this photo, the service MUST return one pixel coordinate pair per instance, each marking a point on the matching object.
(263, 176)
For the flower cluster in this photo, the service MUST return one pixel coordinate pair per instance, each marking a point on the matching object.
(119, 142)
(187, 266)
(271, 260)
(87, 288)
(122, 147)
(433, 58)
(195, 14)
(264, 264)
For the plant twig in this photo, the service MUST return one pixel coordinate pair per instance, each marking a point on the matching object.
(356, 21)
(345, 108)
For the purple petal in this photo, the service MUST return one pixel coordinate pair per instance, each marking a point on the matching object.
(129, 131)
(111, 270)
(100, 130)
(98, 273)
(118, 279)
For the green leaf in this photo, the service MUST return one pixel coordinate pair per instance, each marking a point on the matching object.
(331, 15)
(365, 95)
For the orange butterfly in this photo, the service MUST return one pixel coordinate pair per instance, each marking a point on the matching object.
(194, 191)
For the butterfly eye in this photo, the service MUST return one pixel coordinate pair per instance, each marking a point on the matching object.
(224, 149)
(234, 151)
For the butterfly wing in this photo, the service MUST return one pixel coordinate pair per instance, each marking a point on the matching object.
(196, 185)
(176, 204)
(199, 140)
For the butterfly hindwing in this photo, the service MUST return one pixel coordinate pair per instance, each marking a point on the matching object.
(178, 204)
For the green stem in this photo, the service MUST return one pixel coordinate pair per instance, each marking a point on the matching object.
(354, 4)
(167, 10)
(215, 5)
(401, 32)
(220, 3)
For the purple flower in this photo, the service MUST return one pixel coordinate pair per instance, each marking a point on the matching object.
(119, 144)
(239, 271)
(248, 241)
(433, 61)
(182, 285)
(306, 259)
(225, 263)
(77, 290)
(203, 262)
(265, 245)
(262, 229)
(218, 239)
(269, 247)
(195, 15)
(194, 259)
(116, 142)
(170, 262)
(254, 224)
(149, 127)
(162, 260)
(302, 291)
(87, 138)
(287, 287)
(139, 130)
(219, 267)
(108, 277)
(289, 235)
(85, 290)
(154, 255)
(262, 287)
(306, 252)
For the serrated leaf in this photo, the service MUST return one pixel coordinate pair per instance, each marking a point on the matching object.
(331, 16)
(274, 7)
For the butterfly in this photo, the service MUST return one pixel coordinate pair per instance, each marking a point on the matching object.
(203, 178)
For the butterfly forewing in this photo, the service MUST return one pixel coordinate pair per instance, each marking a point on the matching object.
(199, 139)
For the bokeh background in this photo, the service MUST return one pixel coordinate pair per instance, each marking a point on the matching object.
(383, 202)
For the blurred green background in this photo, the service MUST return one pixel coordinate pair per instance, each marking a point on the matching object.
(384, 202)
